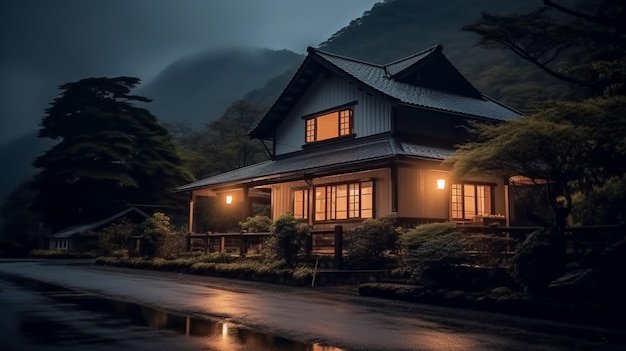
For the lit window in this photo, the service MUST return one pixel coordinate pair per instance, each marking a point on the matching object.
(471, 200)
(344, 201)
(328, 126)
(301, 203)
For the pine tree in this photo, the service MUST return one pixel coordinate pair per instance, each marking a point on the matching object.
(109, 153)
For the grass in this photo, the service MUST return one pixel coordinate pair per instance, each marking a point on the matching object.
(40, 253)
(219, 265)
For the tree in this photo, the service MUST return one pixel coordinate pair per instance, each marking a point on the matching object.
(109, 153)
(223, 144)
(566, 148)
(584, 45)
(574, 149)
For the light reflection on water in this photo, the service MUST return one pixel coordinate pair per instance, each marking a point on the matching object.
(218, 335)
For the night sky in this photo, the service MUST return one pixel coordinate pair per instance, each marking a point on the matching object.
(47, 43)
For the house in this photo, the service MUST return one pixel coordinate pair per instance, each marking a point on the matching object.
(85, 236)
(351, 140)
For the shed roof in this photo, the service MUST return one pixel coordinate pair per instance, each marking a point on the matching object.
(84, 228)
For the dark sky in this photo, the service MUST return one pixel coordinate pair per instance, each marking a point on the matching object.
(45, 43)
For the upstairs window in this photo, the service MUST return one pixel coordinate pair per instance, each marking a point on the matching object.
(329, 125)
(471, 200)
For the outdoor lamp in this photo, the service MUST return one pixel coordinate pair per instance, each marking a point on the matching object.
(229, 199)
(441, 184)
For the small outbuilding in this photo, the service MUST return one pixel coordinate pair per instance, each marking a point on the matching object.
(85, 236)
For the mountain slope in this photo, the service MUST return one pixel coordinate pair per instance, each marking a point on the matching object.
(199, 88)
(395, 29)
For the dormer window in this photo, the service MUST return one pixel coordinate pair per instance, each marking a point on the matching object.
(329, 125)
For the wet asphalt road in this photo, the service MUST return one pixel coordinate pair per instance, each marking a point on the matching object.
(332, 316)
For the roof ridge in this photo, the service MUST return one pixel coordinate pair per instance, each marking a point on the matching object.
(434, 48)
(318, 51)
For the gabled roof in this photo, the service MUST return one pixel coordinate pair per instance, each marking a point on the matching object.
(84, 228)
(425, 79)
(302, 166)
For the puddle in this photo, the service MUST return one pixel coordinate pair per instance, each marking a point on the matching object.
(219, 334)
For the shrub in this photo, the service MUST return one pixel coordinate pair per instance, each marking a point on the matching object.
(115, 237)
(256, 224)
(161, 238)
(432, 250)
(368, 242)
(538, 260)
(42, 253)
(287, 239)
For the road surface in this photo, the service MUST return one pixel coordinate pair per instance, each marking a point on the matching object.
(321, 318)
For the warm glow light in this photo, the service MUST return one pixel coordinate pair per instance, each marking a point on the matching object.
(229, 199)
(441, 183)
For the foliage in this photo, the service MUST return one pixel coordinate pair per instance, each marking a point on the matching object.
(603, 203)
(432, 250)
(40, 253)
(367, 243)
(538, 260)
(109, 153)
(272, 271)
(223, 144)
(584, 45)
(256, 224)
(565, 148)
(115, 237)
(287, 239)
(160, 238)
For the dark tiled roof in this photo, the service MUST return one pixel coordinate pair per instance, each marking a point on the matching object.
(398, 66)
(378, 78)
(306, 162)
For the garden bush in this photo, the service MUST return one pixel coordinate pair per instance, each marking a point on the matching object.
(287, 239)
(431, 251)
(256, 224)
(367, 243)
(161, 238)
(538, 260)
(41, 253)
(115, 237)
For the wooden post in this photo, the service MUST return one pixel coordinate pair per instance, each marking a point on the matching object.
(242, 245)
(308, 244)
(339, 247)
(191, 201)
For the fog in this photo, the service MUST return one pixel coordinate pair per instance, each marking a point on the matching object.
(47, 43)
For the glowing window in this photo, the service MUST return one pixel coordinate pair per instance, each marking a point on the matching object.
(344, 201)
(329, 125)
(471, 200)
(301, 203)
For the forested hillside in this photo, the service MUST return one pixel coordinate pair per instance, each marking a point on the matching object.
(394, 29)
(198, 89)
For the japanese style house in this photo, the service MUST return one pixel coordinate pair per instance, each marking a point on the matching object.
(351, 140)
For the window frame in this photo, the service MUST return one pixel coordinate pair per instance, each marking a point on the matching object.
(332, 209)
(305, 202)
(463, 199)
(345, 124)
